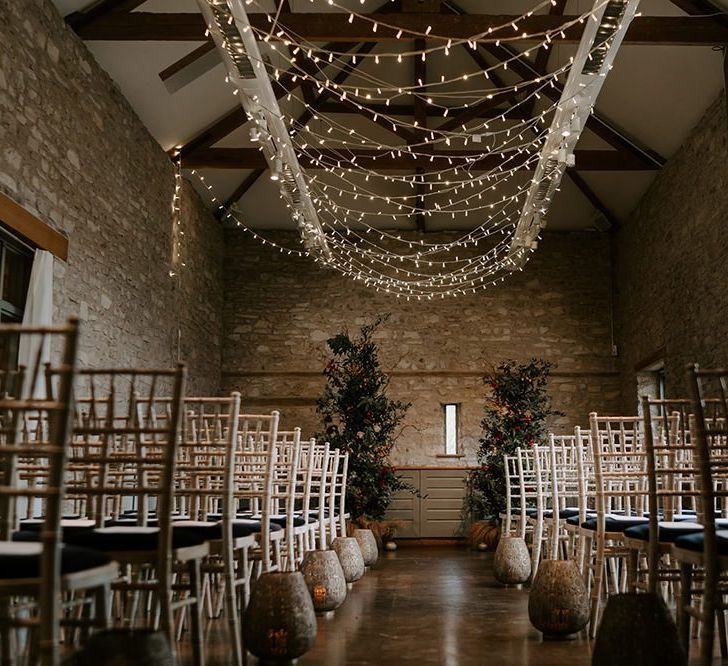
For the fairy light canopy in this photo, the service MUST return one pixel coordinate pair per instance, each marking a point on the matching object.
(454, 184)
(403, 117)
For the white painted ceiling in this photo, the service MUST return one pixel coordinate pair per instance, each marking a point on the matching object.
(655, 94)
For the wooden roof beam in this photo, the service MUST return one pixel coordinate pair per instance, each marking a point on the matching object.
(335, 27)
(100, 10)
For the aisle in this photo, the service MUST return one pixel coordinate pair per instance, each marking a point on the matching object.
(439, 606)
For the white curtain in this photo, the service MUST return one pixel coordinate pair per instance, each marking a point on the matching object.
(38, 312)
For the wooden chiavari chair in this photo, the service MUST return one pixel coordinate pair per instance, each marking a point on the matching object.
(586, 500)
(205, 480)
(669, 468)
(304, 523)
(542, 476)
(566, 455)
(337, 495)
(124, 457)
(321, 477)
(620, 474)
(35, 428)
(514, 518)
(709, 548)
(255, 461)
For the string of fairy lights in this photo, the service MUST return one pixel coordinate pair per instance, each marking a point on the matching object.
(474, 163)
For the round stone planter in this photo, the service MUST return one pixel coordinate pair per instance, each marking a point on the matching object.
(124, 647)
(280, 623)
(512, 561)
(325, 580)
(558, 603)
(637, 629)
(368, 546)
(350, 557)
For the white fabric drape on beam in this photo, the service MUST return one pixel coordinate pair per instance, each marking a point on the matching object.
(38, 312)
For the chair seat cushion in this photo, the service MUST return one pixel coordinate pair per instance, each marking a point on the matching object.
(563, 513)
(695, 542)
(614, 523)
(119, 539)
(212, 530)
(298, 520)
(574, 520)
(22, 559)
(668, 531)
(68, 524)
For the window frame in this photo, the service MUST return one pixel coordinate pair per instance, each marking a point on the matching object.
(457, 453)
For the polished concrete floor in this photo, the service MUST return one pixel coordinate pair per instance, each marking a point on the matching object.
(436, 605)
(428, 605)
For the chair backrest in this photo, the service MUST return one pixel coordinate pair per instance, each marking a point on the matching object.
(620, 466)
(709, 434)
(35, 421)
(513, 492)
(321, 479)
(255, 460)
(125, 456)
(527, 484)
(542, 468)
(206, 458)
(337, 494)
(585, 472)
(669, 463)
(566, 452)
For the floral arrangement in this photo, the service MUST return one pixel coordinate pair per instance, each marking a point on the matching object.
(516, 410)
(360, 419)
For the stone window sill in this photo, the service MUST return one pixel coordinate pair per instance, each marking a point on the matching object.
(450, 455)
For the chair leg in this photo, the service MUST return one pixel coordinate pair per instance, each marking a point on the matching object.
(7, 653)
(632, 566)
(195, 610)
(231, 608)
(596, 592)
(536, 547)
(683, 619)
(720, 618)
(102, 609)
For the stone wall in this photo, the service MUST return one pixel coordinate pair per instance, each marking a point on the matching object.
(73, 153)
(279, 310)
(671, 259)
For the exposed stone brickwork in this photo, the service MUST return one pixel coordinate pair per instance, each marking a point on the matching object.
(73, 152)
(672, 259)
(279, 310)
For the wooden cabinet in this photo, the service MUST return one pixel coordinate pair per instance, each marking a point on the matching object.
(437, 513)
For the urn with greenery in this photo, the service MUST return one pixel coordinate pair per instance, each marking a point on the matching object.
(516, 410)
(360, 419)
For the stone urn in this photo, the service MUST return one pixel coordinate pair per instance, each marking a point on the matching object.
(325, 580)
(280, 622)
(637, 629)
(124, 647)
(368, 546)
(512, 561)
(558, 603)
(350, 558)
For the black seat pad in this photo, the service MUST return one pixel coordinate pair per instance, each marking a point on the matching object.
(242, 527)
(298, 521)
(119, 539)
(695, 542)
(668, 532)
(15, 564)
(615, 523)
(563, 513)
